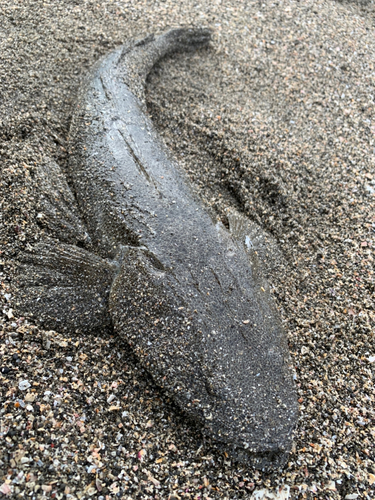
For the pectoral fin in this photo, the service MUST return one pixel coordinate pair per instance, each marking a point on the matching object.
(64, 287)
(265, 259)
(260, 246)
(58, 212)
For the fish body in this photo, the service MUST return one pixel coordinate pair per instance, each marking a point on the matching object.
(185, 292)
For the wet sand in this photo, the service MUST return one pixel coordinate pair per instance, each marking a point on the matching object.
(275, 118)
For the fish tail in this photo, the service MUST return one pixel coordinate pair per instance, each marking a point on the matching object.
(138, 58)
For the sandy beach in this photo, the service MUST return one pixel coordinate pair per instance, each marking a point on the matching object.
(276, 119)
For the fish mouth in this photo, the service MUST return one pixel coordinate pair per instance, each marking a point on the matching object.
(264, 460)
(260, 442)
(255, 445)
(263, 441)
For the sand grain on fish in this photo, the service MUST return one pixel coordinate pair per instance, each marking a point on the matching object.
(276, 119)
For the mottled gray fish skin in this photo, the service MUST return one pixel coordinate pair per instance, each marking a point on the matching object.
(187, 294)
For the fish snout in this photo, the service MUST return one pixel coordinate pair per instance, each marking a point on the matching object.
(249, 400)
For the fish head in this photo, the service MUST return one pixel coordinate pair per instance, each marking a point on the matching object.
(211, 337)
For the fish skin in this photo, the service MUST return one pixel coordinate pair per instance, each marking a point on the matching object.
(187, 295)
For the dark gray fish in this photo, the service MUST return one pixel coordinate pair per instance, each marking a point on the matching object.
(186, 293)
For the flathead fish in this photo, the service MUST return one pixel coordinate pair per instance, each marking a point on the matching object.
(148, 258)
